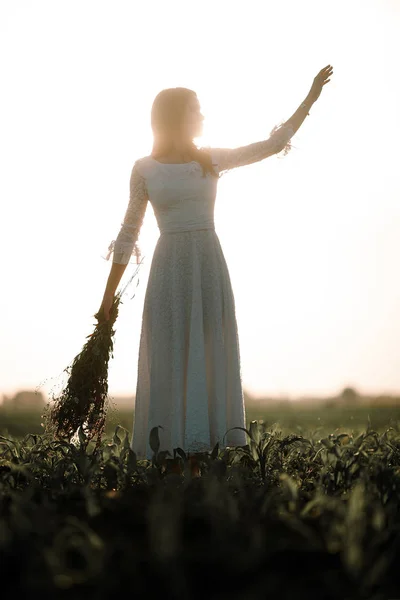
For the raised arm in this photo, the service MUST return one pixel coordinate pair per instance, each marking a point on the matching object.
(126, 243)
(279, 140)
(230, 158)
(300, 114)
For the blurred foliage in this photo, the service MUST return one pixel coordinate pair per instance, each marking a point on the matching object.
(304, 516)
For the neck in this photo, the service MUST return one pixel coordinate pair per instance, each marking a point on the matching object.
(181, 147)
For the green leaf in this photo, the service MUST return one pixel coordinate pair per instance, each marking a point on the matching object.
(116, 439)
(131, 464)
(154, 439)
(126, 440)
(214, 453)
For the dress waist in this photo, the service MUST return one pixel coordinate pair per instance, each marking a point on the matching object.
(210, 227)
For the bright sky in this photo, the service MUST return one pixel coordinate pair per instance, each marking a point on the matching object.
(312, 240)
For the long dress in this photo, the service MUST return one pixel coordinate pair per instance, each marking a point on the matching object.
(189, 372)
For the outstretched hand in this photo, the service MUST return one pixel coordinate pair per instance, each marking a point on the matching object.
(319, 81)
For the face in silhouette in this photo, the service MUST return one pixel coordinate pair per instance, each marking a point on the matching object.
(193, 121)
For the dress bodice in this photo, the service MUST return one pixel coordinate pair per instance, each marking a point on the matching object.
(182, 198)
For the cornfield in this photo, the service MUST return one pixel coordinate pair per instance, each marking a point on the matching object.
(281, 517)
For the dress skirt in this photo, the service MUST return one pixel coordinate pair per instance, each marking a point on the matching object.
(189, 373)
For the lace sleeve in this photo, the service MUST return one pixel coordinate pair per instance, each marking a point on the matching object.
(229, 158)
(126, 243)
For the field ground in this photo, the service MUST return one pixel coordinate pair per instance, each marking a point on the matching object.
(292, 418)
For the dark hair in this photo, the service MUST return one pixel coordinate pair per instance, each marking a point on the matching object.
(167, 115)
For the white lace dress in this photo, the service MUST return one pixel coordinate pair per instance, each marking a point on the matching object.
(189, 374)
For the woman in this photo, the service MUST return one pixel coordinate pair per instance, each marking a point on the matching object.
(189, 376)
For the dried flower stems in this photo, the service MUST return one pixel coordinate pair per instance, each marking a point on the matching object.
(83, 401)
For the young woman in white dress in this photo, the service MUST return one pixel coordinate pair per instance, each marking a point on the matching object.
(189, 376)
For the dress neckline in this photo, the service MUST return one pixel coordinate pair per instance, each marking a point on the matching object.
(171, 164)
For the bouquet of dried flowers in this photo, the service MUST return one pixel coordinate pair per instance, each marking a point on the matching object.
(83, 401)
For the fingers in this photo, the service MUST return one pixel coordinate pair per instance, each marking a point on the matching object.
(328, 70)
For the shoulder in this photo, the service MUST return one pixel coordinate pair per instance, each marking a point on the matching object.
(208, 150)
(141, 166)
(141, 163)
(213, 152)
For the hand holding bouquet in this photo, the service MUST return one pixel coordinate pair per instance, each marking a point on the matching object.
(83, 401)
